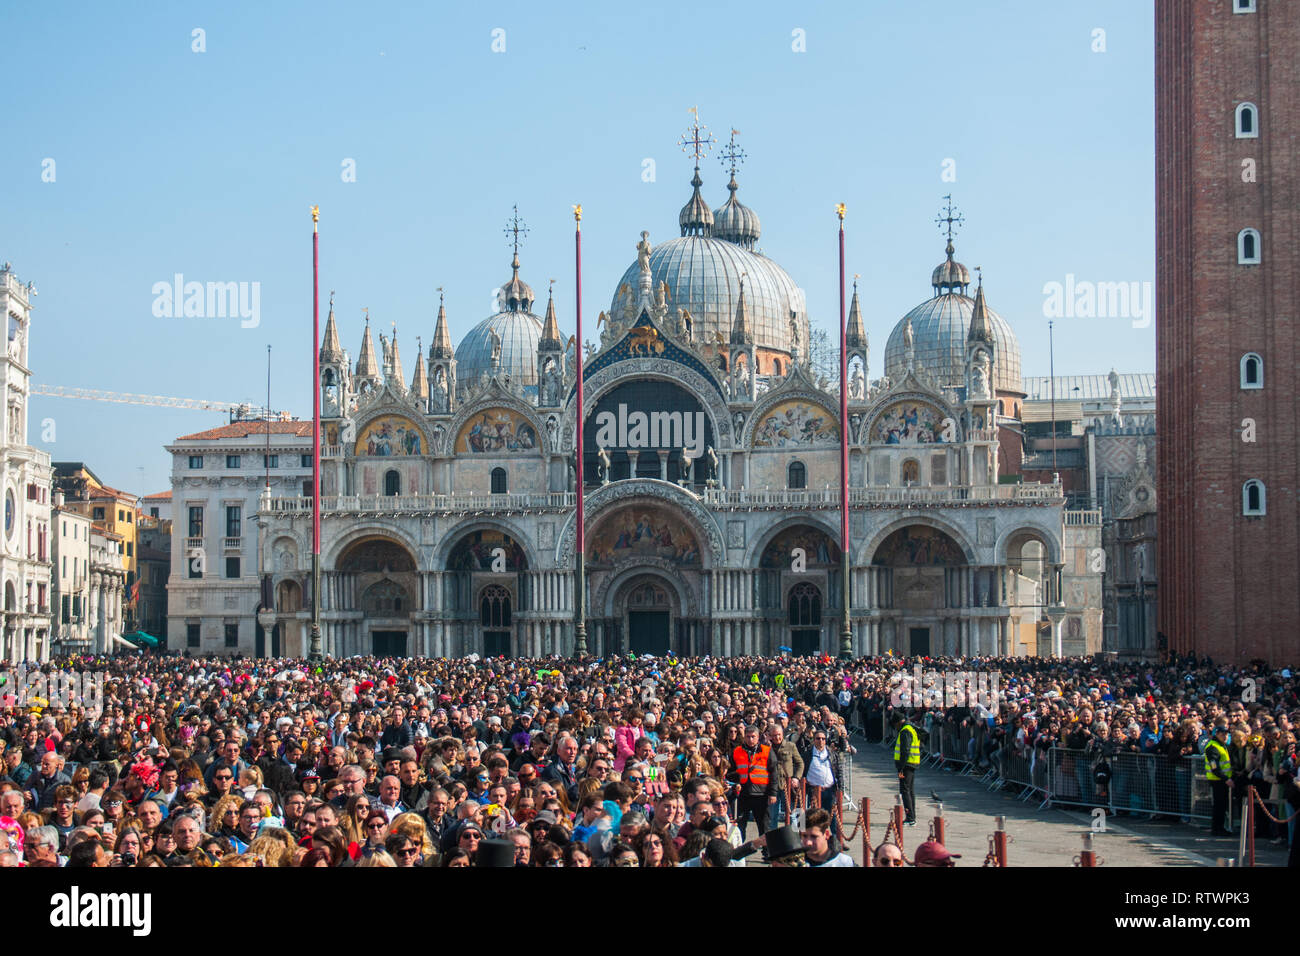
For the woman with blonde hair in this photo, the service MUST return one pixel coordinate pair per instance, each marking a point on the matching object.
(378, 858)
(411, 826)
(273, 845)
(224, 817)
(250, 781)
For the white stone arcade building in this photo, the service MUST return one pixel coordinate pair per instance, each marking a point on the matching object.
(448, 499)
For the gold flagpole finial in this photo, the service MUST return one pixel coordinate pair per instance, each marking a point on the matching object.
(577, 213)
(315, 213)
(839, 211)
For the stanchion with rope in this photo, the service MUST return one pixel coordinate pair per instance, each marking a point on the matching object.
(896, 824)
(864, 823)
(997, 855)
(893, 829)
(937, 829)
(1087, 858)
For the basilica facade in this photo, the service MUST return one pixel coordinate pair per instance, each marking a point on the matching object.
(711, 473)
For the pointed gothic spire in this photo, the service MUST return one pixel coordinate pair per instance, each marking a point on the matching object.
(395, 371)
(441, 347)
(980, 329)
(367, 365)
(331, 349)
(551, 326)
(741, 333)
(419, 381)
(857, 333)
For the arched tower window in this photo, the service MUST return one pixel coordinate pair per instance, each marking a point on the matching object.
(1247, 121)
(1252, 371)
(1248, 249)
(1253, 498)
(797, 475)
(392, 483)
(498, 481)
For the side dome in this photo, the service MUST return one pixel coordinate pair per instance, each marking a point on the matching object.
(939, 329)
(518, 332)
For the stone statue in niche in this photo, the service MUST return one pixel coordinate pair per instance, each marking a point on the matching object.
(686, 470)
(495, 339)
(857, 384)
(603, 456)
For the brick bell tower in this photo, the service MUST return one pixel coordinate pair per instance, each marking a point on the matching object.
(1227, 302)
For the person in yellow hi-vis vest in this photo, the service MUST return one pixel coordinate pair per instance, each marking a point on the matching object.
(907, 757)
(1218, 770)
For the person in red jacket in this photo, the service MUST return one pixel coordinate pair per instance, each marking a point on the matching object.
(754, 774)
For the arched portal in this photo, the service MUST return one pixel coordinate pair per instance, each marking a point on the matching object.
(919, 580)
(646, 567)
(377, 580)
(485, 586)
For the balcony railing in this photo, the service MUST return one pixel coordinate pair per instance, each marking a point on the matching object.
(192, 543)
(231, 544)
(734, 499)
(1082, 518)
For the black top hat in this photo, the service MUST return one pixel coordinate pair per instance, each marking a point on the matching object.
(495, 853)
(782, 842)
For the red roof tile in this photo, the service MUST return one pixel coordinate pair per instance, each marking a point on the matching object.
(244, 429)
(159, 496)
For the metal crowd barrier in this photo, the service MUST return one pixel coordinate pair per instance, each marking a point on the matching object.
(1139, 783)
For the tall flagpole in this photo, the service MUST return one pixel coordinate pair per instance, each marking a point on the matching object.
(580, 540)
(315, 652)
(846, 628)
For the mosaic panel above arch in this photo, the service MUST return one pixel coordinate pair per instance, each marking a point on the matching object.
(796, 422)
(496, 430)
(908, 422)
(390, 435)
(642, 530)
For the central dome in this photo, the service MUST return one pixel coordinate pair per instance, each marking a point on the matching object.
(703, 276)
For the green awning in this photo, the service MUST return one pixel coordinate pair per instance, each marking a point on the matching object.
(141, 639)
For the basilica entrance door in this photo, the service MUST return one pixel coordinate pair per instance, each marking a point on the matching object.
(647, 632)
(919, 641)
(388, 643)
(805, 642)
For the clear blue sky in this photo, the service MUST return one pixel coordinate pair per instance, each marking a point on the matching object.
(206, 164)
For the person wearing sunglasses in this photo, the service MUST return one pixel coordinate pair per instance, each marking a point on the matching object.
(403, 850)
(888, 854)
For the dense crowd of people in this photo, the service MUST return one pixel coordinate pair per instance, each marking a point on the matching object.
(637, 762)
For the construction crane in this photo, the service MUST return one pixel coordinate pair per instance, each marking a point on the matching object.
(236, 410)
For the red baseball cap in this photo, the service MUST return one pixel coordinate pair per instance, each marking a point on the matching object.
(933, 853)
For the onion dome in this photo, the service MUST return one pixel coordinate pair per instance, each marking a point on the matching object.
(950, 275)
(516, 295)
(736, 222)
(696, 219)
